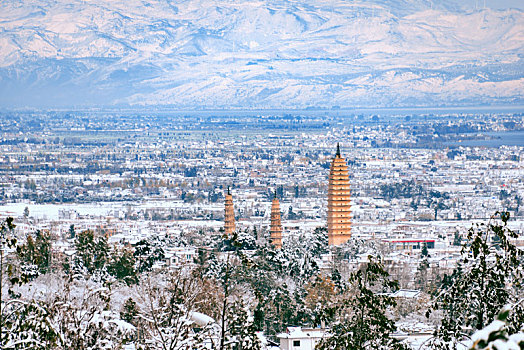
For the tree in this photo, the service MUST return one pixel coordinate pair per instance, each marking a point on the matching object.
(24, 324)
(457, 239)
(26, 213)
(122, 266)
(36, 252)
(81, 317)
(291, 214)
(487, 277)
(91, 252)
(362, 321)
(496, 336)
(239, 241)
(129, 311)
(299, 253)
(436, 200)
(168, 311)
(421, 276)
(27, 325)
(437, 205)
(424, 251)
(321, 294)
(241, 329)
(146, 253)
(72, 232)
(235, 275)
(404, 189)
(6, 228)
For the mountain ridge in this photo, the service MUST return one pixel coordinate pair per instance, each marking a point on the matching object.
(265, 54)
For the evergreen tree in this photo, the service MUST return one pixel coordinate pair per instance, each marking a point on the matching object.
(91, 252)
(457, 240)
(487, 277)
(424, 250)
(421, 276)
(241, 333)
(24, 324)
(146, 253)
(122, 266)
(255, 271)
(362, 321)
(36, 252)
(129, 311)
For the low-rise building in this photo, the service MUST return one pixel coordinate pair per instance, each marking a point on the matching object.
(297, 338)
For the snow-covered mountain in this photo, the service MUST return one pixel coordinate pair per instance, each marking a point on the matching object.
(258, 53)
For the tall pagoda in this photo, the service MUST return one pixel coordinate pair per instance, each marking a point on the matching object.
(276, 225)
(339, 201)
(229, 214)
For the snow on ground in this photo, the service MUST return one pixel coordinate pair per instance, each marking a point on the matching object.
(219, 53)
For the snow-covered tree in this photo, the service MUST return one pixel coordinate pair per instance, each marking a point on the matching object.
(129, 311)
(495, 336)
(121, 265)
(362, 321)
(92, 252)
(167, 313)
(36, 251)
(421, 275)
(300, 252)
(487, 277)
(81, 316)
(26, 325)
(146, 253)
(320, 299)
(241, 332)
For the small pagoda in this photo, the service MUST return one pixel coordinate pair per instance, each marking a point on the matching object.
(229, 214)
(275, 228)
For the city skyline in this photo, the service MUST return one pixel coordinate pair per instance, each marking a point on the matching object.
(262, 175)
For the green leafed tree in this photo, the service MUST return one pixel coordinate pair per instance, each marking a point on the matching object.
(72, 233)
(496, 336)
(24, 324)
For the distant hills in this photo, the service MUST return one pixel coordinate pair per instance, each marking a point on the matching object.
(258, 54)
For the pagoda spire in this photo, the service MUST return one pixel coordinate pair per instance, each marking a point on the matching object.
(338, 150)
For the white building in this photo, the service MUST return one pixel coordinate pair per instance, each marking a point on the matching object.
(297, 338)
